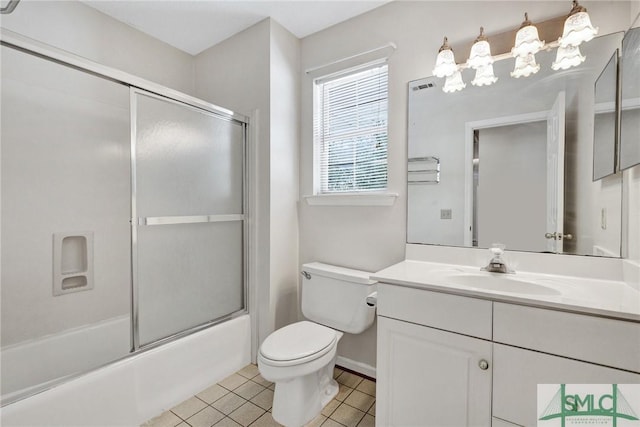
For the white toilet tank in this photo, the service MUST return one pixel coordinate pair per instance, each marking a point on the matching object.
(336, 297)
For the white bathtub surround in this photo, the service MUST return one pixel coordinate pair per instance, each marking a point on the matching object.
(129, 392)
(69, 352)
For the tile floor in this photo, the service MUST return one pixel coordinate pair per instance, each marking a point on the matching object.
(245, 399)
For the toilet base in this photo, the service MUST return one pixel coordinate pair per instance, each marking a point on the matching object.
(299, 400)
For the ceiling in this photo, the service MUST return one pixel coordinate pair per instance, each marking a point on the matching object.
(195, 25)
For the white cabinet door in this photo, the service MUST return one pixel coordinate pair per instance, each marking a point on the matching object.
(518, 372)
(428, 377)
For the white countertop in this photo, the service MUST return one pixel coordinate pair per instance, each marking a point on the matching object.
(599, 297)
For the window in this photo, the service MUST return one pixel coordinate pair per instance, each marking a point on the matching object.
(350, 131)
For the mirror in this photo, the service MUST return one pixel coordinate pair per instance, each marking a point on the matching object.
(605, 121)
(630, 111)
(513, 161)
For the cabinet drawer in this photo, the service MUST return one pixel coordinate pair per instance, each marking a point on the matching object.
(453, 313)
(517, 373)
(608, 342)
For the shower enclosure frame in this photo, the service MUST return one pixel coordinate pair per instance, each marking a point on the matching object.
(139, 85)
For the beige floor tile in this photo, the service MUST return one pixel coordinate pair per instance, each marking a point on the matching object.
(266, 420)
(183, 424)
(359, 400)
(260, 380)
(330, 407)
(246, 414)
(249, 371)
(349, 379)
(166, 419)
(372, 410)
(248, 390)
(367, 421)
(316, 422)
(347, 415)
(367, 386)
(228, 403)
(212, 393)
(331, 423)
(264, 399)
(227, 422)
(205, 418)
(188, 407)
(343, 392)
(233, 381)
(272, 387)
(337, 372)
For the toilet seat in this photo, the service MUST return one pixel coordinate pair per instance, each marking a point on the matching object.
(298, 343)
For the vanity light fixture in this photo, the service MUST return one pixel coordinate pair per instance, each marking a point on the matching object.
(484, 76)
(445, 62)
(567, 57)
(480, 55)
(454, 83)
(525, 66)
(577, 29)
(527, 40)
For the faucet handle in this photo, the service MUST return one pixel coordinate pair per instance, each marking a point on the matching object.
(497, 249)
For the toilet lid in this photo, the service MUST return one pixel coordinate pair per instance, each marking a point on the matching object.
(298, 340)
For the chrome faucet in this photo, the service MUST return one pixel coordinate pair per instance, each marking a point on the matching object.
(497, 264)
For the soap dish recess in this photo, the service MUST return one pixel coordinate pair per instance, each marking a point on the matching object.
(72, 262)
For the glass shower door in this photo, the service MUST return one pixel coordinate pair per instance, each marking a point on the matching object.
(188, 211)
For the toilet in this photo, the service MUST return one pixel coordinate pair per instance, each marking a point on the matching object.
(299, 358)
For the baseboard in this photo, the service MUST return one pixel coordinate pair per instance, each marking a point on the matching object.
(359, 367)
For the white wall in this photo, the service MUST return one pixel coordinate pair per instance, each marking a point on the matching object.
(371, 238)
(80, 29)
(255, 72)
(284, 179)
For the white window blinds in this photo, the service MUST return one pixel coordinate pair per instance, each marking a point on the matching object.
(350, 121)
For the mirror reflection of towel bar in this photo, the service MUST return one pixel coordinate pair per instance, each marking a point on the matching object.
(429, 168)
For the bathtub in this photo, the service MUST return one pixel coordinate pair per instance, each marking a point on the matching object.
(133, 390)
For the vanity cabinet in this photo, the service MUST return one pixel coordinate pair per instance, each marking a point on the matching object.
(453, 360)
(434, 375)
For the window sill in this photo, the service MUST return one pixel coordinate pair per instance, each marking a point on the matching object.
(352, 199)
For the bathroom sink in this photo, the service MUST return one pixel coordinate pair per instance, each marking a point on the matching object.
(500, 283)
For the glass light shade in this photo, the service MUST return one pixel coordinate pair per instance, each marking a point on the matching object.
(445, 63)
(577, 27)
(480, 55)
(484, 76)
(567, 57)
(525, 66)
(454, 83)
(527, 39)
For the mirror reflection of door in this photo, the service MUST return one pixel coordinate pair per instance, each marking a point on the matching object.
(519, 168)
(555, 175)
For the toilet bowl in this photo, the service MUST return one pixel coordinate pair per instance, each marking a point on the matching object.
(302, 370)
(300, 358)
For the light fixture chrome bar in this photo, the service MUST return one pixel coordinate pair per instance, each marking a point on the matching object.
(9, 7)
(192, 219)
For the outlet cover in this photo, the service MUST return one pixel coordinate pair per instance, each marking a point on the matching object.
(445, 213)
